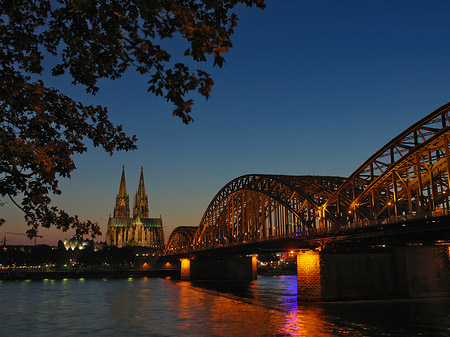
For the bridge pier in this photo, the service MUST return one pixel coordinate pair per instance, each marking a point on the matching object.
(400, 272)
(224, 268)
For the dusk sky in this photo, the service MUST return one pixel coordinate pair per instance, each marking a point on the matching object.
(309, 88)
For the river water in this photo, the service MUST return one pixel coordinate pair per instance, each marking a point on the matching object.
(165, 307)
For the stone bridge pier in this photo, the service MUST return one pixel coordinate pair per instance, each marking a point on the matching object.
(400, 272)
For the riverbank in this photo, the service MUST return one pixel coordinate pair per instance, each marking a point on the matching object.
(21, 274)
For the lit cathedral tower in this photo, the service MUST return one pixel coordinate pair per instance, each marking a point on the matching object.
(122, 208)
(140, 199)
(139, 230)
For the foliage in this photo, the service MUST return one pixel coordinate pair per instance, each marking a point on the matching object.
(42, 128)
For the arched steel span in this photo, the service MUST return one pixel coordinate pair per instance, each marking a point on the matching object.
(406, 177)
(255, 207)
(181, 238)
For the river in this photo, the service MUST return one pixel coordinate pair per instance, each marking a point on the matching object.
(165, 307)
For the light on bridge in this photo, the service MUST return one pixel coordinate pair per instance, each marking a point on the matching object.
(185, 269)
(308, 264)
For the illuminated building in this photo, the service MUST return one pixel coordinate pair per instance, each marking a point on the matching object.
(76, 242)
(139, 230)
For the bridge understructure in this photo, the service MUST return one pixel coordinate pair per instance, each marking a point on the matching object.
(399, 195)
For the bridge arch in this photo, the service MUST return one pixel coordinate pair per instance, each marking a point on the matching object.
(257, 207)
(408, 178)
(181, 239)
(416, 185)
(368, 195)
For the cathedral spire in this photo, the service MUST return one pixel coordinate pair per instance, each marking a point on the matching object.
(140, 199)
(141, 189)
(123, 184)
(122, 209)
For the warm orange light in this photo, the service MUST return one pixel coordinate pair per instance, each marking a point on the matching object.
(310, 261)
(254, 267)
(185, 269)
(309, 275)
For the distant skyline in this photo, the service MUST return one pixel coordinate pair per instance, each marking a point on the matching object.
(309, 88)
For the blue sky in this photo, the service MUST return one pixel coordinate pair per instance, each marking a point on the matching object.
(309, 88)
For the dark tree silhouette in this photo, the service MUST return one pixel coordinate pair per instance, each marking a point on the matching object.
(41, 128)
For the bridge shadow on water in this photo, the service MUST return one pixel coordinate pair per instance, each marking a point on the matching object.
(238, 289)
(272, 292)
(278, 295)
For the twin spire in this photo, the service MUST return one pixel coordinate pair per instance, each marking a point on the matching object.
(123, 184)
(141, 188)
(122, 208)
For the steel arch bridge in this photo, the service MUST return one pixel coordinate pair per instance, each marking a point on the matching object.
(407, 179)
(181, 238)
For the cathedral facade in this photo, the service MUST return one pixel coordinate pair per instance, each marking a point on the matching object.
(138, 230)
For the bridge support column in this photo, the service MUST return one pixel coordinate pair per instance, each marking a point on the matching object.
(402, 272)
(185, 269)
(309, 277)
(228, 268)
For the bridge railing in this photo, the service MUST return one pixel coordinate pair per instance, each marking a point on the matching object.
(440, 212)
(316, 231)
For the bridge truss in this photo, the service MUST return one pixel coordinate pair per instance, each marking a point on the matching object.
(406, 179)
(181, 238)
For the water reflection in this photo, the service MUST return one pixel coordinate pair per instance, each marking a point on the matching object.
(265, 307)
(226, 313)
(160, 307)
(416, 317)
(241, 289)
(277, 295)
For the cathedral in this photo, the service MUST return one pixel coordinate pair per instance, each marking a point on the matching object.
(139, 230)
